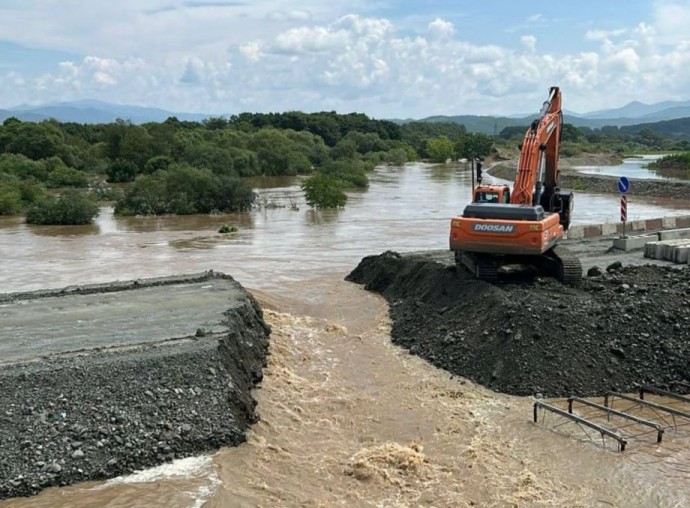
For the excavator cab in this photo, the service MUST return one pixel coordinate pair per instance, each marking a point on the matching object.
(491, 194)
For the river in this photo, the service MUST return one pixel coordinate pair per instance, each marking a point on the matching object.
(340, 405)
(632, 167)
(404, 209)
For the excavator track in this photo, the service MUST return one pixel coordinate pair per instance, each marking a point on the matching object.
(569, 268)
(479, 266)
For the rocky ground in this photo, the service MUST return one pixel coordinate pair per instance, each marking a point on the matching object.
(101, 413)
(620, 328)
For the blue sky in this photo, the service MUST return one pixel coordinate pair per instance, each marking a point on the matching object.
(388, 59)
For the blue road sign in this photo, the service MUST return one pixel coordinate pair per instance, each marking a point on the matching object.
(623, 184)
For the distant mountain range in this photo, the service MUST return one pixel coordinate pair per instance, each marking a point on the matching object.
(94, 111)
(630, 114)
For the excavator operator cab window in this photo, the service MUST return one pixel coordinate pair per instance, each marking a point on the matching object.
(486, 197)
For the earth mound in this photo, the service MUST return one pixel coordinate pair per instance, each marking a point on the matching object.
(619, 329)
(105, 411)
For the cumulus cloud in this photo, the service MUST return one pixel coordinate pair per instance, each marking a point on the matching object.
(441, 29)
(529, 42)
(370, 64)
(310, 39)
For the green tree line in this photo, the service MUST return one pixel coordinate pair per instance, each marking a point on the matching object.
(198, 167)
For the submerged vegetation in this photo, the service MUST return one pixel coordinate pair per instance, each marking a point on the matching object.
(184, 167)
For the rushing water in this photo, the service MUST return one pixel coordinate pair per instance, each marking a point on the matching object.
(335, 385)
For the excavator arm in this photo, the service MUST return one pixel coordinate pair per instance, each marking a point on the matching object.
(537, 174)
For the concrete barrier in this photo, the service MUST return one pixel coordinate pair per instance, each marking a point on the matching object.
(682, 254)
(637, 226)
(634, 242)
(674, 234)
(677, 251)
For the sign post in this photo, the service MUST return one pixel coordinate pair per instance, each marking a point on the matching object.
(623, 187)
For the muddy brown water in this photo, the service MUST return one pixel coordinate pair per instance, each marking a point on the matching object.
(348, 419)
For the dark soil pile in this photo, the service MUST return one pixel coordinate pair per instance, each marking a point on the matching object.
(617, 330)
(99, 414)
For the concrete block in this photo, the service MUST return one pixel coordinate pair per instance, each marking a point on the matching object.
(659, 250)
(653, 224)
(592, 231)
(683, 222)
(668, 223)
(638, 225)
(576, 232)
(634, 242)
(682, 254)
(674, 234)
(650, 249)
(609, 229)
(668, 251)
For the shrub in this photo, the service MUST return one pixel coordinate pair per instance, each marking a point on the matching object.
(227, 228)
(62, 176)
(16, 195)
(185, 190)
(324, 191)
(10, 199)
(350, 172)
(71, 208)
(23, 167)
(157, 163)
(121, 171)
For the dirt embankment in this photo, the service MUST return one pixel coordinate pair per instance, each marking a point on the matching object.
(616, 331)
(101, 413)
(571, 179)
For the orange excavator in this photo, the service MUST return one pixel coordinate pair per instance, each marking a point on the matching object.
(500, 228)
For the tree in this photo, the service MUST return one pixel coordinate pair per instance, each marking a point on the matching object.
(513, 132)
(570, 133)
(10, 197)
(71, 208)
(440, 149)
(474, 145)
(182, 189)
(22, 167)
(35, 140)
(157, 163)
(121, 171)
(62, 176)
(324, 191)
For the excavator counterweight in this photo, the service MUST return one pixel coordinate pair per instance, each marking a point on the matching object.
(522, 227)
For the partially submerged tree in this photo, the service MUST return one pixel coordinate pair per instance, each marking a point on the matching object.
(324, 191)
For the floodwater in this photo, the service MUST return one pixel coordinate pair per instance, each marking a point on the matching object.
(404, 209)
(348, 419)
(633, 167)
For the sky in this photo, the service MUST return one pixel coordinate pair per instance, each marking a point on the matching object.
(389, 59)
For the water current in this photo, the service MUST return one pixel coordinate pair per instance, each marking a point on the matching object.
(348, 419)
